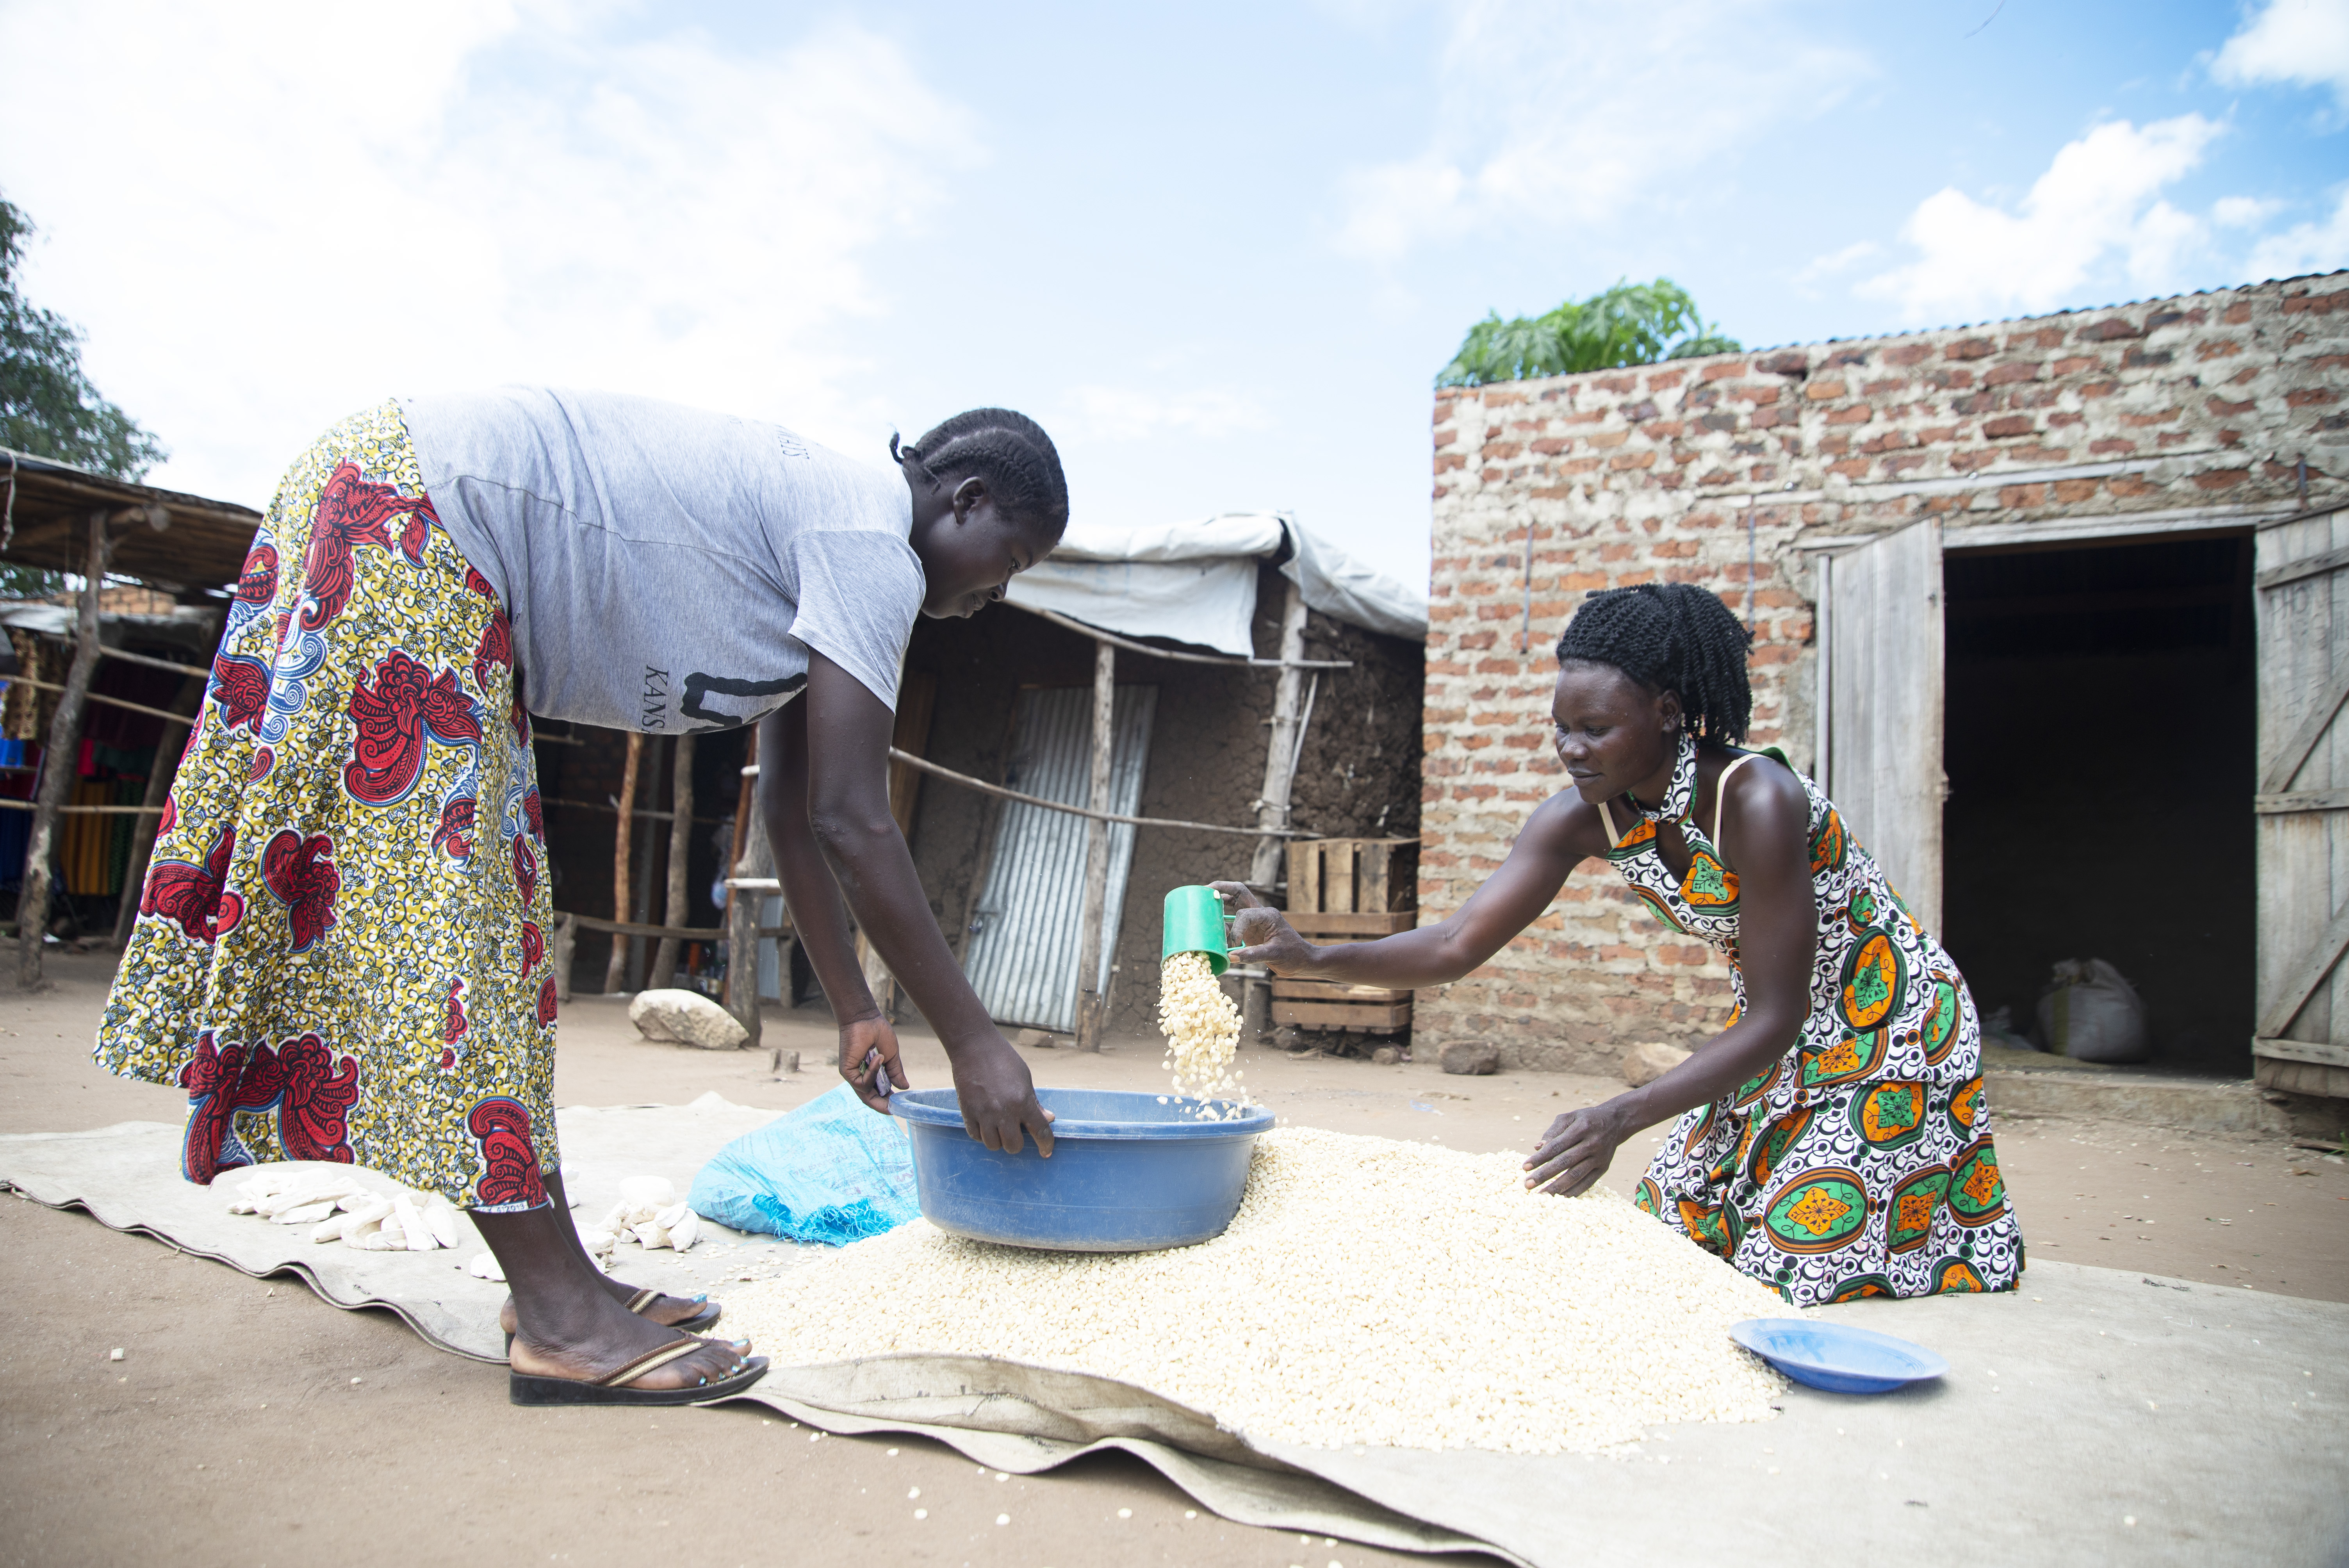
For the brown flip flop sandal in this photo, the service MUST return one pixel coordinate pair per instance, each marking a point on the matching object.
(617, 1389)
(701, 1322)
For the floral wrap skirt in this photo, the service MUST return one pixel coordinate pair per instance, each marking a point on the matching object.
(340, 951)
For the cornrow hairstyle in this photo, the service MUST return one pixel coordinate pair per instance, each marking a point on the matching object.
(1010, 451)
(1675, 637)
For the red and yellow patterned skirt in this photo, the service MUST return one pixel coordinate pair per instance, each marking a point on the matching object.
(340, 952)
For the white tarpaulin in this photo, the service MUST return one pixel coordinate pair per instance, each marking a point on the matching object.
(2101, 1400)
(1208, 602)
(1195, 581)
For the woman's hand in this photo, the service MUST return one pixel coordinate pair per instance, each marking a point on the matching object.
(1271, 941)
(1578, 1149)
(997, 1096)
(868, 1061)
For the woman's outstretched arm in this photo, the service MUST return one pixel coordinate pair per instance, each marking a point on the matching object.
(828, 814)
(1559, 835)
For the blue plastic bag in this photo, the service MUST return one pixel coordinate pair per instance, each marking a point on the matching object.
(831, 1172)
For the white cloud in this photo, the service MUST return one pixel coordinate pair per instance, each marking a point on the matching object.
(2097, 200)
(2318, 247)
(2304, 42)
(1133, 414)
(2243, 211)
(1554, 113)
(286, 212)
(1835, 261)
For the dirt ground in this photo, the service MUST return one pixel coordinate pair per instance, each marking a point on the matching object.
(212, 1439)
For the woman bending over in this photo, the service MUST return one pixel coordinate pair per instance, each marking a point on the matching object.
(341, 952)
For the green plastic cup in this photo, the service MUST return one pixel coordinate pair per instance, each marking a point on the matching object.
(1195, 924)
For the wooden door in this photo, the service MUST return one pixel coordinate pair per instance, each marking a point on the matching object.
(1879, 740)
(2302, 1039)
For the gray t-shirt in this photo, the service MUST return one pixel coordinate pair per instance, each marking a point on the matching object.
(667, 569)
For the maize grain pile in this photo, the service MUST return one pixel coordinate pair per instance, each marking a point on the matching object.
(1369, 1292)
(1203, 1033)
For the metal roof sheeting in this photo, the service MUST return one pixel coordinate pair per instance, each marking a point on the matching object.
(1023, 953)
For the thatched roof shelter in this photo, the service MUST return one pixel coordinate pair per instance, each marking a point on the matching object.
(58, 518)
(188, 541)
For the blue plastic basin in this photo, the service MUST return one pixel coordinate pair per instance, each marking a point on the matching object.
(1836, 1357)
(1129, 1173)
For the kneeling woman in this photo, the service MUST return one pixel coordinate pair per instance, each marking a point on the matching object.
(1832, 1141)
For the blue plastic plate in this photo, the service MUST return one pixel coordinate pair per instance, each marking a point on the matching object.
(1837, 1358)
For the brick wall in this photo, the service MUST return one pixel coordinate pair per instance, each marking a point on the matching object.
(2185, 412)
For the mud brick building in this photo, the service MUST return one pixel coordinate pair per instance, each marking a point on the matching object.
(1006, 699)
(1200, 736)
(2049, 605)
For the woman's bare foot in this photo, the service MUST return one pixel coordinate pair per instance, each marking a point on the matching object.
(666, 1310)
(617, 1338)
(571, 1325)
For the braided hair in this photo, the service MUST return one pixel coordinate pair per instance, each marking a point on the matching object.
(1675, 637)
(1010, 453)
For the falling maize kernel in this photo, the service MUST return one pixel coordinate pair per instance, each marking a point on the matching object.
(1202, 1029)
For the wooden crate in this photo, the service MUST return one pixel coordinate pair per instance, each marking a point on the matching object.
(1349, 890)
(1352, 927)
(1365, 1018)
(1354, 876)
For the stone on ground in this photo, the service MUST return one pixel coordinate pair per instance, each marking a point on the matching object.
(1644, 1064)
(1471, 1058)
(687, 1017)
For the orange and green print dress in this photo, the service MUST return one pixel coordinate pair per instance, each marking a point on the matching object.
(1860, 1163)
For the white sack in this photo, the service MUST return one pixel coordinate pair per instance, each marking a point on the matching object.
(2092, 1014)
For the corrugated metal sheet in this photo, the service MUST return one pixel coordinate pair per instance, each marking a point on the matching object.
(1023, 953)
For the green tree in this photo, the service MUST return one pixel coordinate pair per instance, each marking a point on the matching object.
(1630, 323)
(47, 407)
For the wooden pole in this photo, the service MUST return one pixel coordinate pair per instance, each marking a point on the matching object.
(680, 855)
(566, 941)
(742, 932)
(1091, 1007)
(58, 760)
(1279, 777)
(615, 970)
(640, 875)
(746, 801)
(159, 775)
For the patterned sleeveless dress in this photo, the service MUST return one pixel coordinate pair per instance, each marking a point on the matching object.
(1860, 1163)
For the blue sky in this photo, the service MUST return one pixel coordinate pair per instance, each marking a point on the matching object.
(1220, 250)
